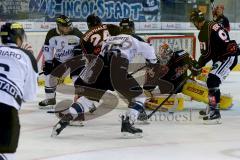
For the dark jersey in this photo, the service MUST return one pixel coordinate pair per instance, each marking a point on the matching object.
(175, 71)
(91, 42)
(177, 68)
(215, 43)
(224, 22)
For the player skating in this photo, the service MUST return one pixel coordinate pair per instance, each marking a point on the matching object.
(18, 79)
(215, 46)
(57, 49)
(90, 46)
(128, 47)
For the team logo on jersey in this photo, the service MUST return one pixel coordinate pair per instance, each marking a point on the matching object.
(72, 42)
(62, 44)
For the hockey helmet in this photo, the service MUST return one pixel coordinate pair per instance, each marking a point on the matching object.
(93, 20)
(196, 16)
(127, 26)
(11, 31)
(63, 20)
(164, 53)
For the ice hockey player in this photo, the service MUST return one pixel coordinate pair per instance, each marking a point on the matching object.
(119, 74)
(57, 49)
(119, 51)
(18, 79)
(174, 66)
(90, 45)
(127, 23)
(171, 72)
(220, 18)
(215, 46)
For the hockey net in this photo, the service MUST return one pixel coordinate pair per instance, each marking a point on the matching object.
(176, 42)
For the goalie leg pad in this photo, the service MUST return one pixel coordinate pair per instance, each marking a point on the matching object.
(176, 102)
(199, 92)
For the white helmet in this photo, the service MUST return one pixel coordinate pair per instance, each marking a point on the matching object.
(164, 53)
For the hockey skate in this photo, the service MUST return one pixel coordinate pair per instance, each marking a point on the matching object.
(202, 113)
(128, 130)
(92, 109)
(63, 123)
(143, 117)
(78, 122)
(57, 129)
(47, 103)
(213, 117)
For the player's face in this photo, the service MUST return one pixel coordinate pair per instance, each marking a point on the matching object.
(64, 30)
(219, 11)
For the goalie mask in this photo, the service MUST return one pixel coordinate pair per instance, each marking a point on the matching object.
(164, 54)
(12, 32)
(64, 24)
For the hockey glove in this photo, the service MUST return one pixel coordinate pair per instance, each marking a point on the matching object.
(195, 68)
(48, 67)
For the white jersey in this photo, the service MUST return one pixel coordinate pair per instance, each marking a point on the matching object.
(60, 46)
(18, 76)
(129, 47)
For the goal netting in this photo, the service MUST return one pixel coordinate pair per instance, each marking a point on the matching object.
(176, 42)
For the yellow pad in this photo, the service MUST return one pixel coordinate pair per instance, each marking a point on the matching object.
(199, 92)
(203, 76)
(154, 102)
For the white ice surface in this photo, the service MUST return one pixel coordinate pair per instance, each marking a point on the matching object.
(100, 138)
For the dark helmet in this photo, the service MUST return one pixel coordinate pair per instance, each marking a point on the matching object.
(11, 31)
(127, 25)
(63, 20)
(197, 16)
(93, 20)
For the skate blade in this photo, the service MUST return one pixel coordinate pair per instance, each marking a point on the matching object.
(49, 107)
(76, 124)
(145, 122)
(212, 122)
(127, 135)
(54, 133)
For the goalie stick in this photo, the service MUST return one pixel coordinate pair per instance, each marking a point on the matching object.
(170, 95)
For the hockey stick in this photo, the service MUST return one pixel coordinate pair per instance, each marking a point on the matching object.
(41, 73)
(170, 95)
(58, 111)
(141, 68)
